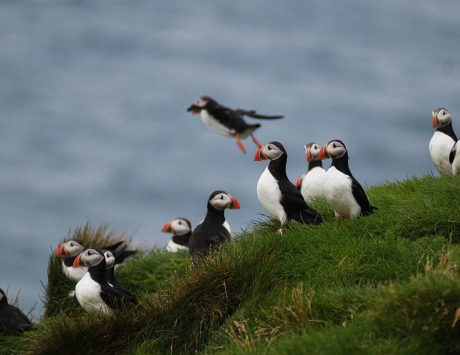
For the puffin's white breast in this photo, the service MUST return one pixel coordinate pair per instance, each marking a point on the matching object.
(339, 195)
(215, 125)
(440, 146)
(174, 247)
(313, 184)
(269, 195)
(74, 273)
(88, 293)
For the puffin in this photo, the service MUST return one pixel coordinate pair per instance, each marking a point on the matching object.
(342, 191)
(110, 276)
(442, 143)
(226, 121)
(11, 317)
(311, 183)
(93, 292)
(277, 194)
(68, 251)
(214, 230)
(181, 229)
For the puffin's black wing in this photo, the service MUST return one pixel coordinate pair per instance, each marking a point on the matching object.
(114, 246)
(361, 197)
(254, 114)
(453, 152)
(296, 208)
(120, 255)
(13, 318)
(229, 118)
(113, 298)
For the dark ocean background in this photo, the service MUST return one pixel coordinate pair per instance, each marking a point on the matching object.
(93, 99)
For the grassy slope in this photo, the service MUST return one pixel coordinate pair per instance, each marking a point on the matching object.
(387, 283)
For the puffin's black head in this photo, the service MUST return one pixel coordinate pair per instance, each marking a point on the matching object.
(71, 248)
(221, 200)
(441, 118)
(312, 151)
(89, 257)
(3, 298)
(178, 226)
(204, 102)
(333, 149)
(271, 151)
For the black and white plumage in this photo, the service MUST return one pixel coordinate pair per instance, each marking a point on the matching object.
(226, 121)
(11, 317)
(442, 143)
(93, 292)
(110, 277)
(277, 194)
(311, 183)
(214, 230)
(68, 251)
(181, 229)
(342, 191)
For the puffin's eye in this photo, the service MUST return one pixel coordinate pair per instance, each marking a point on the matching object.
(180, 222)
(334, 145)
(221, 197)
(269, 148)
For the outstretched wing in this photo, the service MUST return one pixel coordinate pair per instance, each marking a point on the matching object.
(254, 114)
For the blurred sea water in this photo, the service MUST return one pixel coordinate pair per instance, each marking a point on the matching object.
(93, 98)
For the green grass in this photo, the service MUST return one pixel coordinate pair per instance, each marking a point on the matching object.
(385, 284)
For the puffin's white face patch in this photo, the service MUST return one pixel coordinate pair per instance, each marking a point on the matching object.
(73, 248)
(179, 226)
(336, 149)
(201, 102)
(272, 152)
(221, 201)
(91, 257)
(442, 117)
(109, 259)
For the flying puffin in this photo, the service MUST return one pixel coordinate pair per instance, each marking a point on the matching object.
(68, 251)
(110, 276)
(11, 317)
(442, 142)
(311, 183)
(342, 191)
(226, 121)
(181, 229)
(93, 292)
(277, 194)
(214, 230)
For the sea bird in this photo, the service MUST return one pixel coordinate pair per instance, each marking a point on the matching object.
(181, 230)
(226, 121)
(442, 143)
(342, 191)
(214, 230)
(276, 193)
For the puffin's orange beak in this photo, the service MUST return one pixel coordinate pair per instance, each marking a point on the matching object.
(167, 228)
(323, 154)
(234, 205)
(297, 184)
(59, 253)
(260, 156)
(76, 262)
(435, 124)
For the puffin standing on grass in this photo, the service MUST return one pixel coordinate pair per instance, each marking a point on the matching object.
(442, 143)
(11, 317)
(93, 292)
(181, 229)
(311, 183)
(214, 230)
(110, 277)
(342, 191)
(228, 122)
(277, 194)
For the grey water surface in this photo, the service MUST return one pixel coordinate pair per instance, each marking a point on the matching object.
(93, 98)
